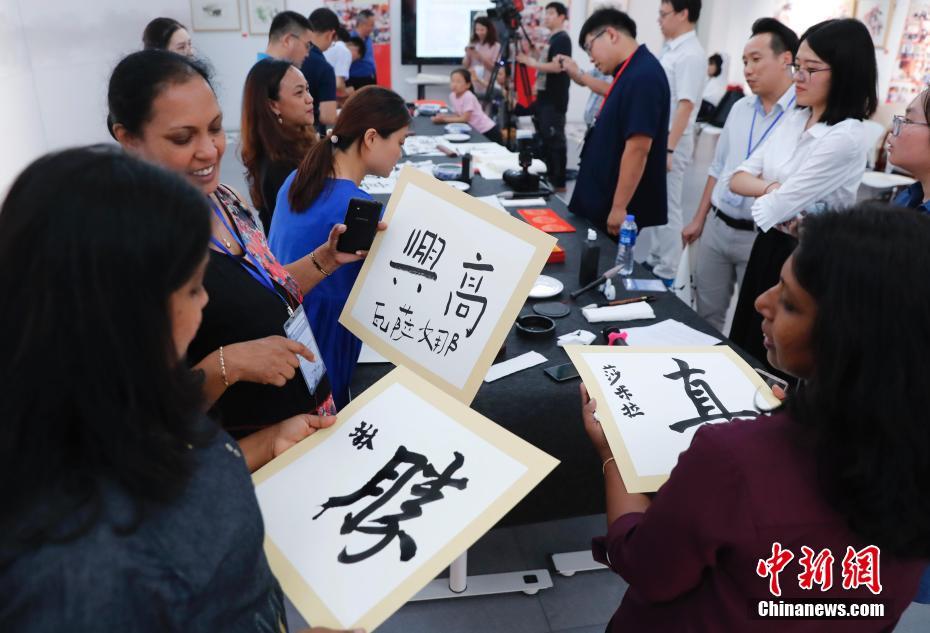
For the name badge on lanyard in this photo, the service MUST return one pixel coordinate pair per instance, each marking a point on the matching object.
(734, 199)
(298, 329)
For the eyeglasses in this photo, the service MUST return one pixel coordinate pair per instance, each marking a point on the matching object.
(665, 14)
(803, 74)
(898, 122)
(587, 47)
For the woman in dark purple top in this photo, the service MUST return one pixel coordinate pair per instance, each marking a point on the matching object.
(843, 466)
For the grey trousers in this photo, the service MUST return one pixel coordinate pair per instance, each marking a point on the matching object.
(722, 254)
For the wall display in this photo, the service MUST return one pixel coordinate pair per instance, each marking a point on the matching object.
(594, 5)
(359, 517)
(801, 15)
(440, 289)
(876, 15)
(215, 15)
(651, 401)
(911, 72)
(261, 13)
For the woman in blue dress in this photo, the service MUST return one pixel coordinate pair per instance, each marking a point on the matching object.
(368, 139)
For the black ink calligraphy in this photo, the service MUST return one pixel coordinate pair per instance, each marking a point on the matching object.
(363, 436)
(471, 281)
(629, 408)
(706, 403)
(388, 526)
(423, 248)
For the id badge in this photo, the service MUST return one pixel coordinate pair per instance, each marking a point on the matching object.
(298, 329)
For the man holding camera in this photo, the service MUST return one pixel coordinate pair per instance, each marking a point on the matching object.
(552, 93)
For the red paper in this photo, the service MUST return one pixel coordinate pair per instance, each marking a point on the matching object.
(546, 220)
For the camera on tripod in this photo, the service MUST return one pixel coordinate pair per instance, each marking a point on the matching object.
(507, 12)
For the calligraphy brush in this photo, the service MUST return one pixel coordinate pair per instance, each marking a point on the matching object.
(601, 279)
(623, 302)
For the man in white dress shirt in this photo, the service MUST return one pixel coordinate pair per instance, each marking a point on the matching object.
(340, 58)
(724, 220)
(685, 65)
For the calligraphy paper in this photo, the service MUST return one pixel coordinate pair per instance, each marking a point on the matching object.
(651, 401)
(440, 289)
(361, 516)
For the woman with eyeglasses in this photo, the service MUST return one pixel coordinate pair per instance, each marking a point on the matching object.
(908, 148)
(842, 468)
(813, 161)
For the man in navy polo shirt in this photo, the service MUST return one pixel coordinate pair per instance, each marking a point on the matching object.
(319, 74)
(623, 159)
(362, 71)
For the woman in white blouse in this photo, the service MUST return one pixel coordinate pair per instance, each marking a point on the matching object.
(813, 161)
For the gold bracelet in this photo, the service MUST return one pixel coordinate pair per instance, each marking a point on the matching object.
(317, 264)
(223, 367)
(604, 465)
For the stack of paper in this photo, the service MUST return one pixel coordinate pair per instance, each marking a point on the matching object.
(668, 333)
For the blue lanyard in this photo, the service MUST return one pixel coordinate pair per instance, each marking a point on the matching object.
(256, 270)
(749, 148)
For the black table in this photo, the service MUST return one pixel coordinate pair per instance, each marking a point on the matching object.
(531, 405)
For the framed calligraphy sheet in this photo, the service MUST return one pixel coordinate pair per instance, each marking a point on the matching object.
(651, 400)
(442, 286)
(361, 516)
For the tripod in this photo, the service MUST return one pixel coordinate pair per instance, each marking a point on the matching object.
(512, 32)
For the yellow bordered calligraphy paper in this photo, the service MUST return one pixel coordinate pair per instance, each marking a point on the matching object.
(651, 401)
(402, 449)
(440, 289)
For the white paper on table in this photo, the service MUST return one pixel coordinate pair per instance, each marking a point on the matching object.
(524, 202)
(419, 145)
(668, 333)
(493, 201)
(369, 356)
(375, 185)
(493, 167)
(512, 366)
(628, 312)
(478, 151)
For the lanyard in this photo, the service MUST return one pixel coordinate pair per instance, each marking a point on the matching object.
(256, 270)
(749, 148)
(616, 79)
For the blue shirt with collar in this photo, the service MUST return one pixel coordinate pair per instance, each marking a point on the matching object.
(638, 104)
(364, 67)
(913, 197)
(321, 78)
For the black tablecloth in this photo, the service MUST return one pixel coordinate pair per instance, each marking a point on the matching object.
(530, 404)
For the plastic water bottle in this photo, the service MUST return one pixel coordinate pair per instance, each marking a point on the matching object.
(625, 245)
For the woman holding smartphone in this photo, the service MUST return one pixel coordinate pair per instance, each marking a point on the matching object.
(163, 110)
(368, 138)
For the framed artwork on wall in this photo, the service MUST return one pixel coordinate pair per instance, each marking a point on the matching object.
(261, 13)
(802, 15)
(876, 15)
(215, 15)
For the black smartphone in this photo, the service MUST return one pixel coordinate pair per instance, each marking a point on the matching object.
(561, 373)
(362, 224)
